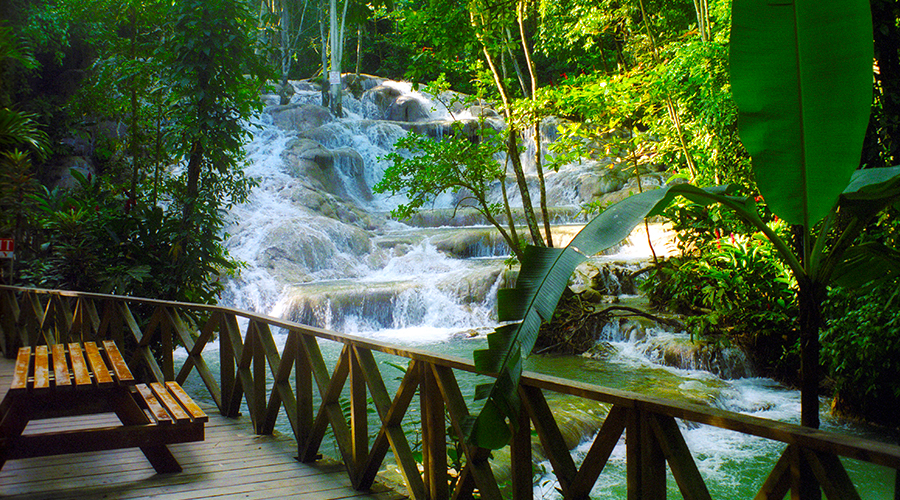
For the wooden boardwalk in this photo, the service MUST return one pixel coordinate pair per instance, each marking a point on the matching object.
(231, 463)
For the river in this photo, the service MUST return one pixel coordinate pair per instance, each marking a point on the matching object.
(319, 248)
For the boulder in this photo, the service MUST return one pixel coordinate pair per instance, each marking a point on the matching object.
(382, 96)
(483, 111)
(299, 117)
(338, 171)
(407, 109)
(360, 83)
(306, 86)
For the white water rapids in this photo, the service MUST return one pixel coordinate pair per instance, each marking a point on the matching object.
(386, 280)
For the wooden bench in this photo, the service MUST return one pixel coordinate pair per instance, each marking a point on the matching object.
(75, 379)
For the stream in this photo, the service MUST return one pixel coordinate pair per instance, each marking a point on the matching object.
(320, 248)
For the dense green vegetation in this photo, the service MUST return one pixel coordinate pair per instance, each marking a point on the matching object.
(155, 94)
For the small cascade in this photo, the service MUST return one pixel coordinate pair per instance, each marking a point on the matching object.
(321, 249)
(680, 351)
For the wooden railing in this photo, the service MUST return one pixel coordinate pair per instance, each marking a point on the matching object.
(253, 370)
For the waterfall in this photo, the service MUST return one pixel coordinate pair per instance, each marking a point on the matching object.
(320, 248)
(318, 244)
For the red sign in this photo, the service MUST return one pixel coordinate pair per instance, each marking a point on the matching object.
(7, 248)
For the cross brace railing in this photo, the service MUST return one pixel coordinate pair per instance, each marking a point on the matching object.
(295, 383)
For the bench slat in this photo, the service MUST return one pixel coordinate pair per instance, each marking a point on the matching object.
(101, 372)
(61, 376)
(41, 368)
(79, 366)
(123, 374)
(156, 409)
(20, 376)
(175, 410)
(196, 413)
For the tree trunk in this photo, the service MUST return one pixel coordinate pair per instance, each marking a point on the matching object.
(701, 7)
(512, 148)
(359, 35)
(670, 105)
(336, 34)
(811, 295)
(882, 146)
(538, 162)
(514, 243)
(324, 54)
(515, 63)
(285, 42)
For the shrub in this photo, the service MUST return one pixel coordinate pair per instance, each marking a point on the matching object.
(861, 351)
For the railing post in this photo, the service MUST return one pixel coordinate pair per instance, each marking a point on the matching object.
(258, 401)
(227, 374)
(645, 462)
(168, 347)
(805, 486)
(112, 325)
(304, 392)
(9, 322)
(897, 484)
(434, 436)
(520, 459)
(359, 422)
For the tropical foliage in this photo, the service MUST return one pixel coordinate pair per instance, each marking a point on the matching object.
(184, 78)
(157, 94)
(795, 122)
(861, 352)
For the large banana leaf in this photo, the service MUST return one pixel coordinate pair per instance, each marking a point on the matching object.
(801, 75)
(869, 191)
(544, 276)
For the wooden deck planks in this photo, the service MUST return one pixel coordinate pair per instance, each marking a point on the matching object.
(231, 463)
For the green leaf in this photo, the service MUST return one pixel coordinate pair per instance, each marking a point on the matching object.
(866, 265)
(543, 277)
(801, 75)
(874, 184)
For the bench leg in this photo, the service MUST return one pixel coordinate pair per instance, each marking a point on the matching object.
(130, 413)
(13, 420)
(161, 458)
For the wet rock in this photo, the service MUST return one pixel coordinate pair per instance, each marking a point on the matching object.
(306, 85)
(284, 92)
(407, 109)
(601, 350)
(472, 289)
(358, 84)
(726, 361)
(299, 117)
(483, 111)
(607, 278)
(326, 245)
(338, 171)
(473, 243)
(330, 206)
(333, 308)
(382, 96)
(446, 217)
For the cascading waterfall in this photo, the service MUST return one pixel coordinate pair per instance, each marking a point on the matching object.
(320, 249)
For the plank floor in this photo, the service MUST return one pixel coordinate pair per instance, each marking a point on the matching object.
(231, 463)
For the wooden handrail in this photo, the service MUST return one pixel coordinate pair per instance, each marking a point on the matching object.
(253, 371)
